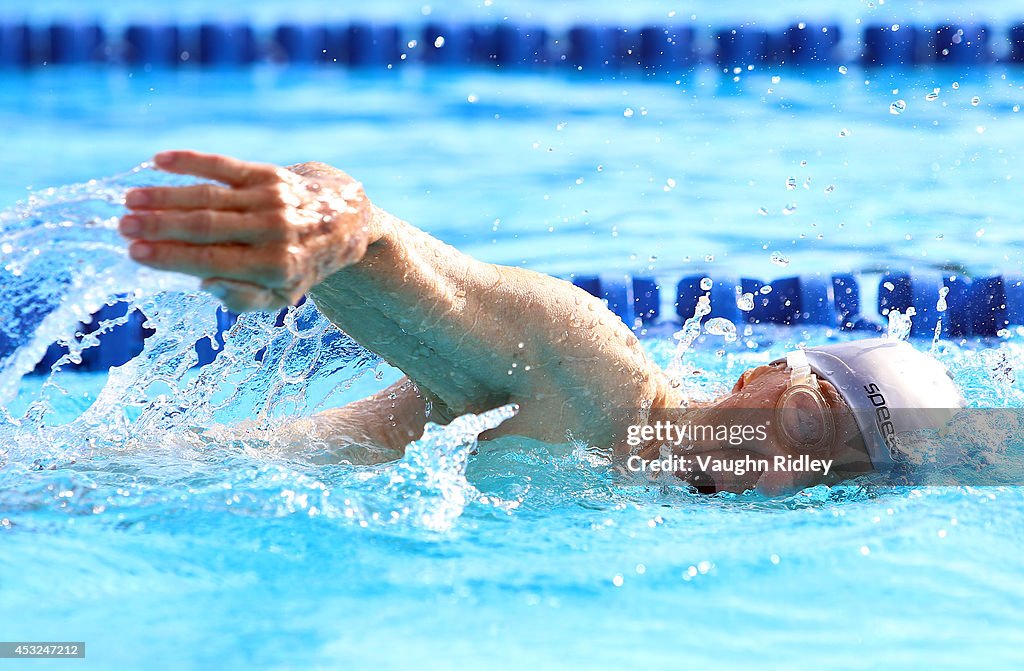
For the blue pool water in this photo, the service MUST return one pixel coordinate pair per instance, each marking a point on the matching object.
(160, 546)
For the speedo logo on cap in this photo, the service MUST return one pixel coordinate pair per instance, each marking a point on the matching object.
(883, 418)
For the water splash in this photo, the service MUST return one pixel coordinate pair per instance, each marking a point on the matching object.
(679, 372)
(900, 324)
(429, 484)
(64, 260)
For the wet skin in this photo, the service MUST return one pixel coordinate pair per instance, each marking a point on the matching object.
(752, 401)
(468, 335)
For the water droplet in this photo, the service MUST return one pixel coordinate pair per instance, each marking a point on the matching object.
(471, 98)
(776, 79)
(779, 259)
(889, 285)
(975, 101)
(830, 188)
(844, 132)
(439, 42)
(745, 302)
(941, 306)
(956, 85)
(766, 289)
(898, 107)
(722, 327)
(628, 112)
(933, 96)
(843, 69)
(762, 211)
(789, 209)
(791, 184)
(706, 283)
(703, 306)
(709, 258)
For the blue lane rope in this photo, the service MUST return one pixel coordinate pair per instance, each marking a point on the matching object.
(981, 306)
(592, 48)
(973, 307)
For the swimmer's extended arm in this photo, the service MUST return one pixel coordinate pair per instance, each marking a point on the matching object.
(470, 335)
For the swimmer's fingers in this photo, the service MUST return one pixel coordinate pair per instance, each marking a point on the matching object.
(224, 169)
(274, 266)
(202, 227)
(239, 296)
(202, 197)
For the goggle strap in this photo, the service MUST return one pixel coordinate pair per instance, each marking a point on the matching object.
(800, 368)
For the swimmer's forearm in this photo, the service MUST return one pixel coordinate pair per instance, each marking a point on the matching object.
(473, 335)
(420, 304)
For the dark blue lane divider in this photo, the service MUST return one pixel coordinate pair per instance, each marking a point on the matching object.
(152, 45)
(966, 307)
(226, 44)
(587, 47)
(980, 306)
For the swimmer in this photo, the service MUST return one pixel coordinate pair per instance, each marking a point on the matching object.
(470, 336)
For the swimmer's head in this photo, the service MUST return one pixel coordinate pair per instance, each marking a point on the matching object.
(891, 389)
(843, 403)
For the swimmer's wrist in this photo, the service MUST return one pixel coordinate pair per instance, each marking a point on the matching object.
(383, 234)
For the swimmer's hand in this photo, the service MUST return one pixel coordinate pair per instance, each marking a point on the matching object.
(259, 242)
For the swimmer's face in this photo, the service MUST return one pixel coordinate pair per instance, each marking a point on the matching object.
(752, 402)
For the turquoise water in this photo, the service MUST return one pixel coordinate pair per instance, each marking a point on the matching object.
(134, 527)
(563, 181)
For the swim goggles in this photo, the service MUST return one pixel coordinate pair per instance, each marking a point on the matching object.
(804, 418)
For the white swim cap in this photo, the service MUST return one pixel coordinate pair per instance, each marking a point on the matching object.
(891, 389)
